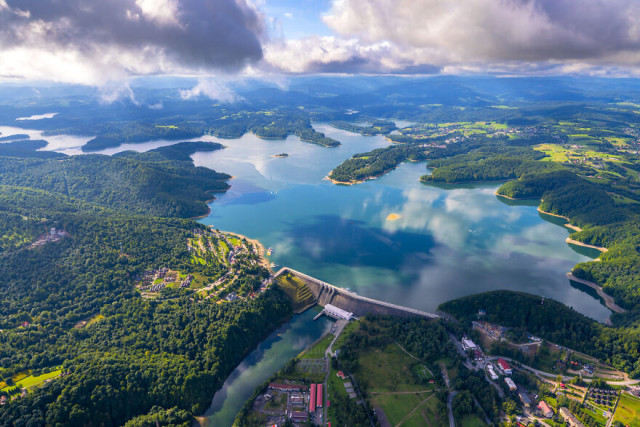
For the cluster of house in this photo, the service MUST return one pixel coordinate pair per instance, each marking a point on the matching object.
(168, 276)
(603, 397)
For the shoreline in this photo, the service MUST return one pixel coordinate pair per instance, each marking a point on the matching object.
(568, 225)
(586, 245)
(263, 260)
(609, 302)
(333, 181)
(514, 198)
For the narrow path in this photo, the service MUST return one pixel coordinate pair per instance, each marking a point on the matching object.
(413, 410)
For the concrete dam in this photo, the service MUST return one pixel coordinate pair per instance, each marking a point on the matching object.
(326, 293)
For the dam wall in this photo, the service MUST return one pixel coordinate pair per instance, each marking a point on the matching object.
(326, 293)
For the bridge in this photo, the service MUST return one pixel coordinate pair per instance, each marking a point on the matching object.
(326, 293)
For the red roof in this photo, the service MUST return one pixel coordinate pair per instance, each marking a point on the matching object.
(312, 400)
(544, 407)
(503, 364)
(319, 396)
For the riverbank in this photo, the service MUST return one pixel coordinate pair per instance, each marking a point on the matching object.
(608, 299)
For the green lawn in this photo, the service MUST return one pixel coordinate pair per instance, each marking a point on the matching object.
(628, 411)
(25, 380)
(432, 412)
(471, 420)
(397, 406)
(317, 351)
(386, 370)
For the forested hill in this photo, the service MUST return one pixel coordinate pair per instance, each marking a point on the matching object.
(73, 307)
(555, 322)
(159, 187)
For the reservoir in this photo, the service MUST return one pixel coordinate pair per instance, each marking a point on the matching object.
(392, 238)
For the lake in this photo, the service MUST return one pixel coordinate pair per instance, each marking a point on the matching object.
(392, 238)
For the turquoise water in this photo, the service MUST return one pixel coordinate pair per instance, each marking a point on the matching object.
(447, 242)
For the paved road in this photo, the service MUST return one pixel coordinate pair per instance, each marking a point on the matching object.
(452, 421)
(548, 375)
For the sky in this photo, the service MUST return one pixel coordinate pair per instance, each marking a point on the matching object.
(98, 42)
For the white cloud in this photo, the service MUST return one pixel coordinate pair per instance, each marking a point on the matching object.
(92, 42)
(470, 36)
(212, 88)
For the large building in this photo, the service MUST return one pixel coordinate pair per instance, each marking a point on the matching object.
(545, 409)
(504, 367)
(338, 313)
(511, 384)
(319, 396)
(492, 373)
(312, 399)
(467, 344)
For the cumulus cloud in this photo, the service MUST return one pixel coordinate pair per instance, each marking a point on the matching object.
(212, 88)
(95, 41)
(477, 35)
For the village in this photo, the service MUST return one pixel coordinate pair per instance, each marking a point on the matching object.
(226, 267)
(564, 387)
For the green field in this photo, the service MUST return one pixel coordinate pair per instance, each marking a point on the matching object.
(628, 411)
(317, 351)
(387, 370)
(25, 380)
(471, 420)
(397, 406)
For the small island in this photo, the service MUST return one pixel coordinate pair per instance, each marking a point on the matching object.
(282, 155)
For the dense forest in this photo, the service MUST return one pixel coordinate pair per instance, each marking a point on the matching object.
(138, 361)
(374, 163)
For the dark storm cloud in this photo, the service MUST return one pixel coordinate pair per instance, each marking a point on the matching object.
(220, 34)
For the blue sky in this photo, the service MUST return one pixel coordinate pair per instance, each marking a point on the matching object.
(299, 18)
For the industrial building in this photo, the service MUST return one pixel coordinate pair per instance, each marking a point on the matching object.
(312, 399)
(319, 396)
(337, 313)
(467, 344)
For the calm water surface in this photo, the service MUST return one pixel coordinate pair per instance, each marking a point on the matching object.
(444, 244)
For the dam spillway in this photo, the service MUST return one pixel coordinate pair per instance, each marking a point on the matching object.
(326, 293)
